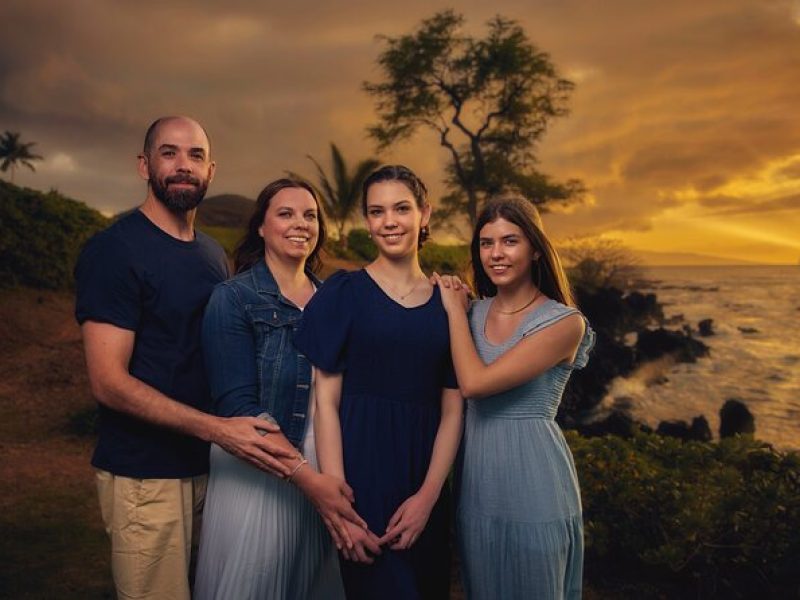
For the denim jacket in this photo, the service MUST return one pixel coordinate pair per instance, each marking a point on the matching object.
(252, 365)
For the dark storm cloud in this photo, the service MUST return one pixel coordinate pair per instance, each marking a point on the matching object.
(669, 97)
(734, 206)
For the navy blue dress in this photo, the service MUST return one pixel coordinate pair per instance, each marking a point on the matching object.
(395, 362)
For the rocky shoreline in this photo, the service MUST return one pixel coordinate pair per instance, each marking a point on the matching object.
(632, 331)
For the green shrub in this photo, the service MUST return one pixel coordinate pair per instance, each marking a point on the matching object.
(361, 245)
(432, 257)
(228, 237)
(41, 235)
(444, 259)
(721, 517)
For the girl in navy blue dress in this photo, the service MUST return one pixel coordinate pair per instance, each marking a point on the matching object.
(389, 413)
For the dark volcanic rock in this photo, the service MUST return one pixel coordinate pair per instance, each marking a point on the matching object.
(697, 431)
(705, 327)
(654, 344)
(747, 330)
(700, 429)
(587, 387)
(616, 423)
(735, 417)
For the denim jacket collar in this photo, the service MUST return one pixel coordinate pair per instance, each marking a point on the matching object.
(264, 282)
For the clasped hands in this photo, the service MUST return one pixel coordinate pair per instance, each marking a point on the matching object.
(403, 530)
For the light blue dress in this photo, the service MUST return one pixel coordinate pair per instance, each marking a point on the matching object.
(520, 529)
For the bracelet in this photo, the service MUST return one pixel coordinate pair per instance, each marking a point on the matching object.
(303, 461)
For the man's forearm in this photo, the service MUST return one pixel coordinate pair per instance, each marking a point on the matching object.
(126, 394)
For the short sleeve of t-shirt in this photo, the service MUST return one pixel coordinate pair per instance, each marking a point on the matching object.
(324, 329)
(107, 285)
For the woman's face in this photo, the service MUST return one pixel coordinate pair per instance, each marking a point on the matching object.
(506, 254)
(394, 219)
(291, 225)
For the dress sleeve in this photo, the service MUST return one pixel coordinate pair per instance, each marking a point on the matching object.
(230, 355)
(107, 284)
(554, 314)
(585, 347)
(325, 327)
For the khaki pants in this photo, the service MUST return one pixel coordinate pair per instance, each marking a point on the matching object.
(154, 526)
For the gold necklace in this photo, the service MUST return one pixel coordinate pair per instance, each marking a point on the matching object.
(391, 287)
(513, 312)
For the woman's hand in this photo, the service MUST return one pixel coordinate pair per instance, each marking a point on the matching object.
(365, 544)
(408, 521)
(333, 499)
(455, 294)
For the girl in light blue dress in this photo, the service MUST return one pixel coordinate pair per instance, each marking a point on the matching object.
(519, 523)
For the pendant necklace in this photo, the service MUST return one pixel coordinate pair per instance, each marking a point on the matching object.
(400, 296)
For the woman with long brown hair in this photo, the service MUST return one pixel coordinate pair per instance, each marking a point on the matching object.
(264, 537)
(519, 518)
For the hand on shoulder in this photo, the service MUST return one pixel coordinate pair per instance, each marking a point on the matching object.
(455, 293)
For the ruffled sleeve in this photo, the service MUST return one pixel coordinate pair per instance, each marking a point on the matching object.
(585, 347)
(551, 314)
(325, 328)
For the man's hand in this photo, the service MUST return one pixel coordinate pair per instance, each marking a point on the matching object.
(240, 437)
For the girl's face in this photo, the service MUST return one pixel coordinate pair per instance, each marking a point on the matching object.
(394, 219)
(291, 224)
(506, 254)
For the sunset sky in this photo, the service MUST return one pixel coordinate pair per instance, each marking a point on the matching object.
(684, 124)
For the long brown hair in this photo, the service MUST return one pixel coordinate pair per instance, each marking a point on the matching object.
(251, 248)
(546, 272)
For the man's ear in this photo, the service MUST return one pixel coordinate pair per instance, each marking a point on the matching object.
(141, 166)
(212, 168)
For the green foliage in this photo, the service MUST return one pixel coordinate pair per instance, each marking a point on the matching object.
(228, 237)
(489, 100)
(432, 257)
(361, 245)
(444, 259)
(41, 235)
(13, 153)
(721, 517)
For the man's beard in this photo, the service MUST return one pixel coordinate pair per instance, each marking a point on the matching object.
(179, 200)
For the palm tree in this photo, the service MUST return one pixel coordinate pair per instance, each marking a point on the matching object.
(14, 152)
(339, 193)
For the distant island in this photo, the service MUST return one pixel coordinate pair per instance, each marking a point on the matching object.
(651, 258)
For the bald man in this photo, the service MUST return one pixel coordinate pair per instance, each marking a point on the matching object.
(142, 285)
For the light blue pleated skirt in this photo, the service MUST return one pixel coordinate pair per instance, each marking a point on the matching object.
(261, 537)
(519, 523)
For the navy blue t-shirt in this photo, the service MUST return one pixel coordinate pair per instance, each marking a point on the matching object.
(136, 276)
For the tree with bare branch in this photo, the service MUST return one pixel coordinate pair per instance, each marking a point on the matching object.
(489, 101)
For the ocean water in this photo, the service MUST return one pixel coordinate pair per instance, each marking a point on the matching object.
(754, 357)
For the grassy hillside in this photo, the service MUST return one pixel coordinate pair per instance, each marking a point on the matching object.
(225, 210)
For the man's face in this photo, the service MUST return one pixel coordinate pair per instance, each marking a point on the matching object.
(178, 166)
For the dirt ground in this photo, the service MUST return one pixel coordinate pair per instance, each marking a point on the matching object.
(51, 541)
